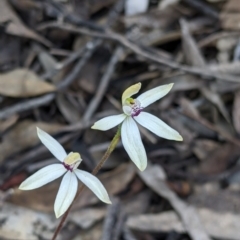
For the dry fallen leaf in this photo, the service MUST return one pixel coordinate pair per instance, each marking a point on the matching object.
(68, 110)
(154, 177)
(166, 3)
(41, 199)
(95, 233)
(219, 159)
(191, 51)
(202, 148)
(85, 218)
(219, 225)
(22, 223)
(232, 6)
(15, 26)
(22, 136)
(216, 99)
(23, 83)
(5, 124)
(194, 57)
(212, 196)
(230, 21)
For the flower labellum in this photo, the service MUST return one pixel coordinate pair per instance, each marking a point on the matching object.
(68, 167)
(132, 113)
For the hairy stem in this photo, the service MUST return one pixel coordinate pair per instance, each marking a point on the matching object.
(110, 149)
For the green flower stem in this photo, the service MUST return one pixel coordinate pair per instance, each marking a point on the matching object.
(110, 149)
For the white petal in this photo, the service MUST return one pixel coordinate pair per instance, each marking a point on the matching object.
(66, 193)
(132, 143)
(52, 145)
(127, 110)
(93, 184)
(154, 94)
(157, 126)
(108, 122)
(43, 176)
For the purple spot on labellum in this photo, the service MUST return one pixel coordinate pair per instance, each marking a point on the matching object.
(136, 113)
(68, 167)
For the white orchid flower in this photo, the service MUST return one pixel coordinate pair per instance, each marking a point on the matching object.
(67, 167)
(132, 113)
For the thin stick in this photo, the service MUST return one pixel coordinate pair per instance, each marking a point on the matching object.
(203, 72)
(104, 82)
(111, 147)
(26, 105)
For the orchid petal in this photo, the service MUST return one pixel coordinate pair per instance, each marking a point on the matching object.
(52, 145)
(93, 184)
(154, 94)
(131, 91)
(157, 126)
(66, 193)
(127, 110)
(108, 122)
(132, 143)
(43, 176)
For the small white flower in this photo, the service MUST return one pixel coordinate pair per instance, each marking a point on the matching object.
(69, 184)
(133, 110)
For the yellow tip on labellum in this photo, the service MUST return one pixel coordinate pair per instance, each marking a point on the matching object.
(72, 158)
(131, 91)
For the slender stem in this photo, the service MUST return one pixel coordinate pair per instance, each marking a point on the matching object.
(110, 149)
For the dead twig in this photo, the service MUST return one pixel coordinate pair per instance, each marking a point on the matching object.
(26, 105)
(127, 235)
(202, 7)
(60, 12)
(96, 100)
(154, 177)
(71, 58)
(203, 72)
(80, 64)
(110, 220)
(119, 225)
(40, 101)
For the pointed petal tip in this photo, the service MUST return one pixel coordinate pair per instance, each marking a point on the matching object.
(107, 201)
(38, 129)
(51, 144)
(95, 127)
(142, 168)
(107, 123)
(41, 132)
(179, 138)
(24, 187)
(58, 215)
(21, 187)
